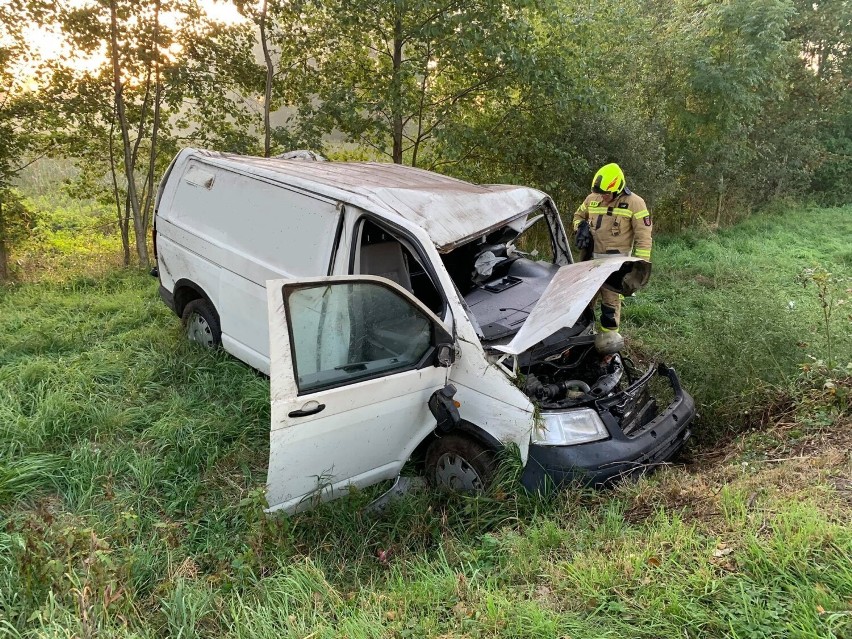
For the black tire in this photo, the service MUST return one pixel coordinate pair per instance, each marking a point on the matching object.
(201, 323)
(459, 463)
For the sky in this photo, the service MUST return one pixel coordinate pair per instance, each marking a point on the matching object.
(47, 45)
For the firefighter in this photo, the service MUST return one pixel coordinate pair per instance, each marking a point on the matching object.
(619, 224)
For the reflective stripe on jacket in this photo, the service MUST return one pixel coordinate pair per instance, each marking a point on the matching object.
(620, 228)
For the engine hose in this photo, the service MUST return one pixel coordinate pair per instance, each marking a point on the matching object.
(535, 388)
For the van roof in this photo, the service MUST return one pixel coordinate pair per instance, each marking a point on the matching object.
(451, 211)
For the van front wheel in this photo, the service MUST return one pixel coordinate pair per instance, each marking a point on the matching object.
(201, 323)
(459, 464)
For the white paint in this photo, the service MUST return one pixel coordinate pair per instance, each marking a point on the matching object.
(451, 211)
(240, 228)
(566, 297)
(365, 433)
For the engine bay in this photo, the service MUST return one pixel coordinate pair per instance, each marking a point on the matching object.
(575, 374)
(584, 371)
(558, 367)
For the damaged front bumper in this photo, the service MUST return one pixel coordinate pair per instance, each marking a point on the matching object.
(622, 454)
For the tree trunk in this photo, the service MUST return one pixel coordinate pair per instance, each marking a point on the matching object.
(150, 195)
(133, 197)
(780, 182)
(4, 253)
(267, 99)
(155, 131)
(116, 192)
(396, 90)
(423, 84)
(719, 203)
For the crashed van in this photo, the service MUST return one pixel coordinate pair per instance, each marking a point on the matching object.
(404, 315)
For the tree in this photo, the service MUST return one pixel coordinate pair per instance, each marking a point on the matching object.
(822, 32)
(286, 45)
(710, 74)
(159, 84)
(391, 74)
(113, 114)
(21, 109)
(565, 111)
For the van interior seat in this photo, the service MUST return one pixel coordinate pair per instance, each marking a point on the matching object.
(386, 259)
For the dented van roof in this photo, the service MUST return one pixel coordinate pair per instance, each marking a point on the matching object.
(451, 211)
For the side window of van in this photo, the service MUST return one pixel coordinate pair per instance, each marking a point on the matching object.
(344, 333)
(378, 252)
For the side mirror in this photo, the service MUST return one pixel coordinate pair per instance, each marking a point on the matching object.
(445, 355)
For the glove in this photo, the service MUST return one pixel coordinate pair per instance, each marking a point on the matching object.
(584, 241)
(583, 238)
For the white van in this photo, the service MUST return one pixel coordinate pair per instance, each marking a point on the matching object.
(399, 318)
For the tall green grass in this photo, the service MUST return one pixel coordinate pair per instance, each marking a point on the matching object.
(132, 467)
(727, 310)
(71, 237)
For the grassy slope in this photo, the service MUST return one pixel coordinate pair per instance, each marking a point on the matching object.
(728, 311)
(131, 467)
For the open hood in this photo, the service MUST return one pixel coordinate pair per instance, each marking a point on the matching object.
(570, 291)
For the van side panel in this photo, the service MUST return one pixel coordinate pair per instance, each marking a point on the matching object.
(272, 225)
(246, 231)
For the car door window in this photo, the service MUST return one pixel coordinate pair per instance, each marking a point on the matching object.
(380, 253)
(344, 333)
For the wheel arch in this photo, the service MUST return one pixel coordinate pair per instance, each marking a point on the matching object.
(185, 291)
(468, 429)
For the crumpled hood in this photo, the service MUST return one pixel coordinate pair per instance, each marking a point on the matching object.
(570, 291)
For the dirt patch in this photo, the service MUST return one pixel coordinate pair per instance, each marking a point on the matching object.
(705, 281)
(800, 448)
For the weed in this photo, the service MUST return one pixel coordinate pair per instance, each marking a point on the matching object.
(26, 474)
(728, 312)
(827, 292)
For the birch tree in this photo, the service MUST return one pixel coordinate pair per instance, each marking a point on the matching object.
(158, 85)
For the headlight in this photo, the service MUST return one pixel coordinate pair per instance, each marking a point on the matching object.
(569, 427)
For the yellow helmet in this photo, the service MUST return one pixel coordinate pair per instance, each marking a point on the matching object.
(609, 179)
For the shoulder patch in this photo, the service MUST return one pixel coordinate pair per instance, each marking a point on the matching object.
(647, 220)
(623, 205)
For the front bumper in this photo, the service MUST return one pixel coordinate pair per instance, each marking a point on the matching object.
(599, 463)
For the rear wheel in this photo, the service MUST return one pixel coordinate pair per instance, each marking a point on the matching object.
(201, 323)
(459, 463)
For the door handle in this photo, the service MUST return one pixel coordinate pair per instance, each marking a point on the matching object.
(304, 412)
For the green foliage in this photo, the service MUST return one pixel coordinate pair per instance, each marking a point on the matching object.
(17, 219)
(62, 237)
(392, 75)
(729, 310)
(20, 108)
(828, 292)
(164, 75)
(713, 108)
(16, 222)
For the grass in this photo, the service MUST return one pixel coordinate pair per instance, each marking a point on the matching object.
(728, 310)
(70, 237)
(132, 466)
